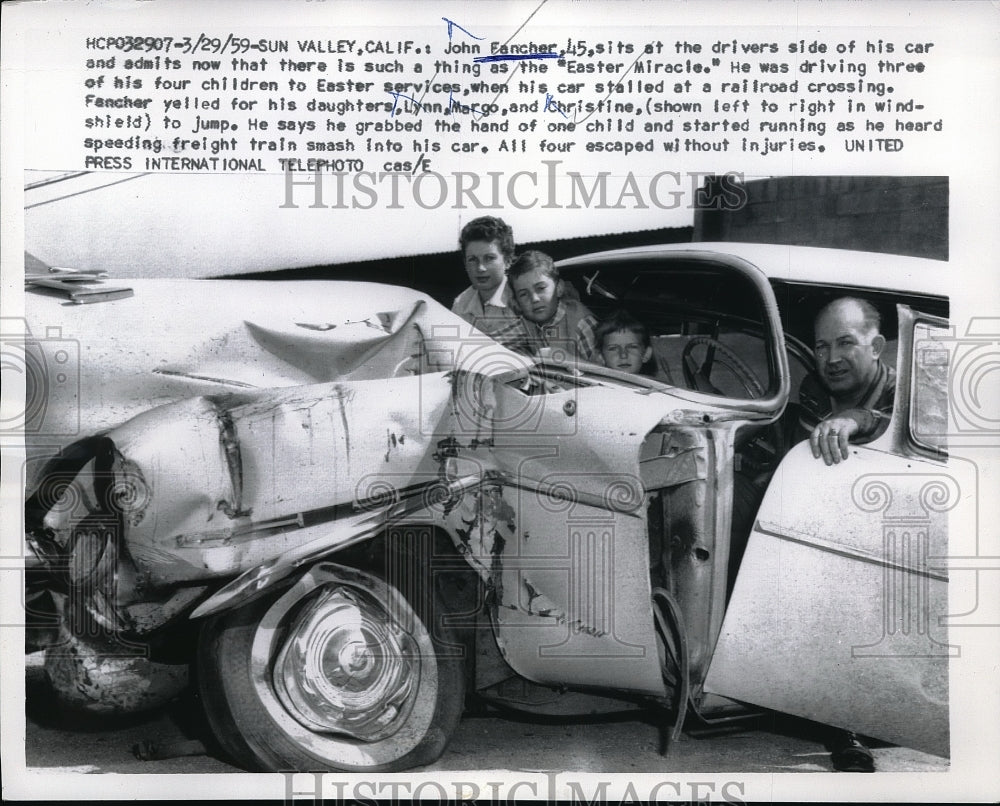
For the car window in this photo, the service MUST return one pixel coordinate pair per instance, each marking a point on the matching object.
(929, 386)
(705, 321)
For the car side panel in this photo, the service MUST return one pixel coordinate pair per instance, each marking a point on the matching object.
(561, 537)
(837, 611)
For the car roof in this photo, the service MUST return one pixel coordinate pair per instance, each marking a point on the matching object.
(803, 264)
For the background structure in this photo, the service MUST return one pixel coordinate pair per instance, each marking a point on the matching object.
(902, 215)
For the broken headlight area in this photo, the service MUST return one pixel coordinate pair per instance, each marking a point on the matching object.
(88, 609)
(76, 526)
(75, 523)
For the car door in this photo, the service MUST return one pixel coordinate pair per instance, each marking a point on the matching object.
(585, 462)
(558, 531)
(838, 611)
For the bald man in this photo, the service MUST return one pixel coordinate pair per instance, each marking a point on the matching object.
(853, 404)
(858, 387)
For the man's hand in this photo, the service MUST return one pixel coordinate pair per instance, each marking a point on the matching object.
(830, 439)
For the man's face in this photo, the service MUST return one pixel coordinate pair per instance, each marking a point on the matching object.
(485, 265)
(847, 352)
(537, 295)
(623, 350)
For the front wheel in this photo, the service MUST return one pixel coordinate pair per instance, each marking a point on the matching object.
(338, 672)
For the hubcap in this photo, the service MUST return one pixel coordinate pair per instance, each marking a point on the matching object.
(347, 667)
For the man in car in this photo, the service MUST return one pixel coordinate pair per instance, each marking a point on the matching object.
(858, 388)
(853, 404)
(487, 245)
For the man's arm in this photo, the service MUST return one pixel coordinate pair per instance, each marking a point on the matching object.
(829, 438)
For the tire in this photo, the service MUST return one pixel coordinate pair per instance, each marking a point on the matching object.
(271, 696)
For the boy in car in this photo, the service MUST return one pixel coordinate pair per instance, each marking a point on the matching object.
(624, 344)
(550, 320)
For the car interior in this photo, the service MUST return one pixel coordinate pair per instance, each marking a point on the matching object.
(707, 333)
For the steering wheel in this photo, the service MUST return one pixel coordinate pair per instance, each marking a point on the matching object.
(698, 378)
(767, 446)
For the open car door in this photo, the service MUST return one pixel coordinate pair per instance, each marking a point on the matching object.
(838, 610)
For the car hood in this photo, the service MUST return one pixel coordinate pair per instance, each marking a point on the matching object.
(242, 418)
(92, 367)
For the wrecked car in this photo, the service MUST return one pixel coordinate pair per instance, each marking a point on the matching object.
(343, 511)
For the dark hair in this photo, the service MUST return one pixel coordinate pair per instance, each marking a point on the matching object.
(531, 260)
(621, 320)
(487, 228)
(872, 318)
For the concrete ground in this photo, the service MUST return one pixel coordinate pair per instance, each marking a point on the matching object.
(57, 741)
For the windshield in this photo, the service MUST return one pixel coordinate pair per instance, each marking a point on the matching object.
(705, 323)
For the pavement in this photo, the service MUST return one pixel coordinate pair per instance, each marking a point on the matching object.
(60, 741)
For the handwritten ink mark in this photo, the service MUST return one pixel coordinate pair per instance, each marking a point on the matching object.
(532, 14)
(510, 39)
(428, 86)
(631, 67)
(550, 102)
(396, 96)
(514, 57)
(452, 24)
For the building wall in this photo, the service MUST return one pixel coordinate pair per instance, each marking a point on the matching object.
(442, 275)
(905, 215)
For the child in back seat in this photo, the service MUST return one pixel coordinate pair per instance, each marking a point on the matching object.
(624, 344)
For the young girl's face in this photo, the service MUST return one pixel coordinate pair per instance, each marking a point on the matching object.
(624, 350)
(537, 295)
